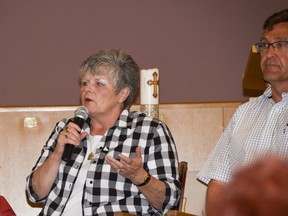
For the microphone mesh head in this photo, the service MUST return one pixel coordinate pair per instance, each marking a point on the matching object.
(82, 112)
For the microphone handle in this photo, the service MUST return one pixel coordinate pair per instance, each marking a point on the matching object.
(69, 148)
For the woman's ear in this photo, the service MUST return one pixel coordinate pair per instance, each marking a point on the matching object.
(124, 93)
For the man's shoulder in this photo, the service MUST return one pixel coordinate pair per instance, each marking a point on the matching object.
(252, 102)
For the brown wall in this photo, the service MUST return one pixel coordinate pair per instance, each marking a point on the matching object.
(200, 47)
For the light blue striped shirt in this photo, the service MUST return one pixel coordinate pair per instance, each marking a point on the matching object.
(257, 128)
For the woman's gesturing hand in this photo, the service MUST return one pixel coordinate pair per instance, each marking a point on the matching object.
(130, 168)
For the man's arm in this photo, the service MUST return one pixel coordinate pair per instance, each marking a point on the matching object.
(214, 195)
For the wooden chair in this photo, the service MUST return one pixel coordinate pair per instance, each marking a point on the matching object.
(183, 168)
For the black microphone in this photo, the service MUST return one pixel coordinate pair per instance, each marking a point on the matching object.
(81, 114)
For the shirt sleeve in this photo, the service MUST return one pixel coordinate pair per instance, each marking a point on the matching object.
(163, 165)
(218, 165)
(47, 149)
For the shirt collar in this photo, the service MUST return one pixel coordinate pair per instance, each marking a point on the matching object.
(268, 93)
(124, 119)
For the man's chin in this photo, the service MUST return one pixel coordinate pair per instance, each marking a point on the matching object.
(270, 77)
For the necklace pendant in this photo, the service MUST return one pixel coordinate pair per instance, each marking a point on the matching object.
(91, 156)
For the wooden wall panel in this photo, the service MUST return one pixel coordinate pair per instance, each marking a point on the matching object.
(195, 128)
(20, 148)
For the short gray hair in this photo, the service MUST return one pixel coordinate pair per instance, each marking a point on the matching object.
(120, 66)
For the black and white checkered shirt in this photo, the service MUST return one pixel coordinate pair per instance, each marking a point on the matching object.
(106, 191)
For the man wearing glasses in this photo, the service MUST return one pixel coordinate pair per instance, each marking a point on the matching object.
(260, 126)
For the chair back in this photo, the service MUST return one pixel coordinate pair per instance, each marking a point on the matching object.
(183, 168)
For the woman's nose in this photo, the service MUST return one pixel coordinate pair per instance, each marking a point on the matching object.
(86, 88)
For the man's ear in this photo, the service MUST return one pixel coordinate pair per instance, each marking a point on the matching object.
(124, 93)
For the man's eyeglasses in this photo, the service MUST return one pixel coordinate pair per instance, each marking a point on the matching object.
(278, 45)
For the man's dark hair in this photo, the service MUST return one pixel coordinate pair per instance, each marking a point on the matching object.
(276, 18)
